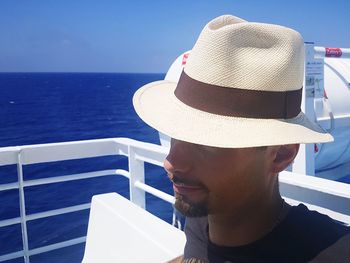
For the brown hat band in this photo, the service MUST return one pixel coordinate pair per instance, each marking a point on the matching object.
(238, 102)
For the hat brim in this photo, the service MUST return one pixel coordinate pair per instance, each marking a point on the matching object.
(157, 105)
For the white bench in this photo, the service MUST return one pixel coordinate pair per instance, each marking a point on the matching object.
(120, 231)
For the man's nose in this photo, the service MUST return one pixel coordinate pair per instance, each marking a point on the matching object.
(179, 157)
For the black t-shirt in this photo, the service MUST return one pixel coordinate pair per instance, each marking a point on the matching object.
(300, 237)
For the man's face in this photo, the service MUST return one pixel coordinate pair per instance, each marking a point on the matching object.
(210, 180)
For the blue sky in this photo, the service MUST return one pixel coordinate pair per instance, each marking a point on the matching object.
(142, 36)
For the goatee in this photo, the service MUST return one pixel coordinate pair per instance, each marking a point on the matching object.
(189, 209)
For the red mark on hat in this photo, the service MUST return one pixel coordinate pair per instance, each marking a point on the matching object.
(333, 52)
(316, 148)
(184, 59)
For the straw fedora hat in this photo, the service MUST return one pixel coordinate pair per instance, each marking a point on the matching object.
(241, 87)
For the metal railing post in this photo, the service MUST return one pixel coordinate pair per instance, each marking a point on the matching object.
(139, 153)
(22, 208)
(137, 174)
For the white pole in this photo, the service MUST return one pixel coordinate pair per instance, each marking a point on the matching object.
(22, 208)
(137, 174)
(312, 104)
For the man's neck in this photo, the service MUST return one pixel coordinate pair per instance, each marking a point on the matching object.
(248, 224)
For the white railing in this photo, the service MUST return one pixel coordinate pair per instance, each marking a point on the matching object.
(332, 198)
(137, 153)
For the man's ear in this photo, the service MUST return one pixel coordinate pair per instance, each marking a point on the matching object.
(283, 155)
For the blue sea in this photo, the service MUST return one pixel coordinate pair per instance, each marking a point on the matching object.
(58, 107)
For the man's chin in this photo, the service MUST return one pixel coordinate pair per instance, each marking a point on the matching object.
(189, 209)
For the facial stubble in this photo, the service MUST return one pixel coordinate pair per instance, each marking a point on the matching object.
(190, 209)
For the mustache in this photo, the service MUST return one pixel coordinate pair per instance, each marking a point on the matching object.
(180, 179)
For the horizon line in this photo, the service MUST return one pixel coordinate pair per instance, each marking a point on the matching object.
(76, 72)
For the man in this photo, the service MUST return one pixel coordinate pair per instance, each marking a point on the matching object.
(235, 122)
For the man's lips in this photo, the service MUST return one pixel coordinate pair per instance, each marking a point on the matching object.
(184, 186)
(186, 189)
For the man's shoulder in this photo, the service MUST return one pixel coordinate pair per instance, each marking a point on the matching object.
(317, 234)
(339, 252)
(196, 230)
(303, 235)
(303, 221)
